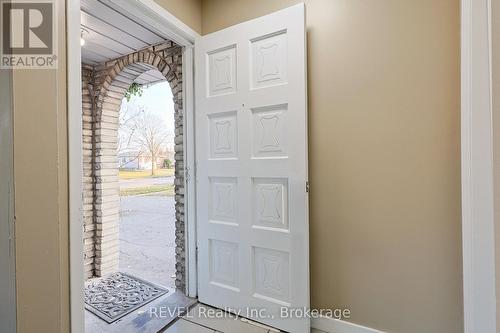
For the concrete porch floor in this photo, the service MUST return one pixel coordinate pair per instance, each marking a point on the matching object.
(147, 238)
(147, 251)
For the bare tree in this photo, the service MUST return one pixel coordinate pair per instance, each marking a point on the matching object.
(151, 135)
(129, 114)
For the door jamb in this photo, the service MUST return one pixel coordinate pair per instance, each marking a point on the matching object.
(8, 293)
(190, 172)
(75, 168)
(168, 25)
(478, 241)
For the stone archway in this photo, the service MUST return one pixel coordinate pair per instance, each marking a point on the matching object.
(104, 87)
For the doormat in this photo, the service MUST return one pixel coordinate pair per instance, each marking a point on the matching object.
(116, 295)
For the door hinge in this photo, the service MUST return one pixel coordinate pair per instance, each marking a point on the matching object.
(187, 175)
(307, 186)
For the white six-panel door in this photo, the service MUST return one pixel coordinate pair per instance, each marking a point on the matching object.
(251, 149)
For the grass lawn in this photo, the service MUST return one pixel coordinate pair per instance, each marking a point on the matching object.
(158, 190)
(128, 174)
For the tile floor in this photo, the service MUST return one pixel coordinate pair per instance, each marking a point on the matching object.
(195, 323)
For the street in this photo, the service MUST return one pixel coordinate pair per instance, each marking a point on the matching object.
(147, 234)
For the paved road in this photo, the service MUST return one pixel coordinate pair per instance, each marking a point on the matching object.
(147, 238)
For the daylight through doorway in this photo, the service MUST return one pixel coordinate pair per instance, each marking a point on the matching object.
(104, 87)
(146, 175)
(133, 183)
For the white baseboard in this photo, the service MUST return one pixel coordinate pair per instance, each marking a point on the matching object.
(331, 325)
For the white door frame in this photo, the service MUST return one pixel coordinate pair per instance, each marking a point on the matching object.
(7, 234)
(477, 169)
(156, 16)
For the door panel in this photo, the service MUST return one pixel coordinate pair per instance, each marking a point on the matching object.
(251, 148)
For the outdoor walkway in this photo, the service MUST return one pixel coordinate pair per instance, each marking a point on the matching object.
(147, 251)
(147, 238)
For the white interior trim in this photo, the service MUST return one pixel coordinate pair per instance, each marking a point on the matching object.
(75, 164)
(156, 16)
(331, 325)
(190, 172)
(7, 232)
(477, 170)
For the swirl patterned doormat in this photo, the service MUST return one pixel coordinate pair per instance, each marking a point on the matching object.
(116, 295)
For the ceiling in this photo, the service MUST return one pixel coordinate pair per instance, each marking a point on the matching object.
(110, 34)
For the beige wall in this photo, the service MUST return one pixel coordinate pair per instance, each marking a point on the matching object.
(41, 196)
(40, 178)
(188, 11)
(495, 25)
(384, 94)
